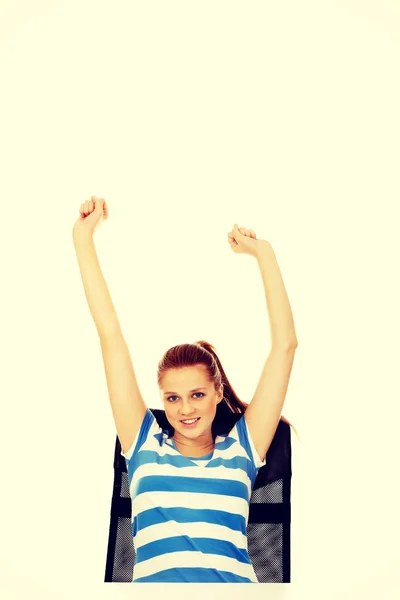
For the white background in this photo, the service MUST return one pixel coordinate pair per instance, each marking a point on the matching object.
(188, 117)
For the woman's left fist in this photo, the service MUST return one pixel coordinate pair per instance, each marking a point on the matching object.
(244, 241)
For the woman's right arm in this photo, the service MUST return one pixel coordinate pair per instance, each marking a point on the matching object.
(127, 404)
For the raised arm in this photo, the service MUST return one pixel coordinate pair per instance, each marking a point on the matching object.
(127, 404)
(264, 411)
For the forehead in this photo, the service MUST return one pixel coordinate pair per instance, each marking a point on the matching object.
(185, 377)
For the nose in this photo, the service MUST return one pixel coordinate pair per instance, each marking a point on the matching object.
(186, 410)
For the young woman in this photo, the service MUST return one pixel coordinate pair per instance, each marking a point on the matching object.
(190, 485)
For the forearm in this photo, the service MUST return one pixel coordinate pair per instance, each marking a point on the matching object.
(282, 327)
(96, 290)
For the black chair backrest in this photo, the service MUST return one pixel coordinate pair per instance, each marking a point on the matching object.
(268, 528)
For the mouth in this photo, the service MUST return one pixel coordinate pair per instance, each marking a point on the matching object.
(190, 422)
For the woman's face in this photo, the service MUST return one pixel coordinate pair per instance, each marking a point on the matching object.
(188, 395)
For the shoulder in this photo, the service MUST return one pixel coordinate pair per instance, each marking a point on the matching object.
(241, 433)
(150, 431)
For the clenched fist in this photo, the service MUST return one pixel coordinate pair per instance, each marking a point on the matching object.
(92, 214)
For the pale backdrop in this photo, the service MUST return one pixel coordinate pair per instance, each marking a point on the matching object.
(188, 117)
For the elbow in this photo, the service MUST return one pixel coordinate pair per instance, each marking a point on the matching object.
(287, 345)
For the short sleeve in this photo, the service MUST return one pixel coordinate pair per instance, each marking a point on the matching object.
(247, 442)
(148, 424)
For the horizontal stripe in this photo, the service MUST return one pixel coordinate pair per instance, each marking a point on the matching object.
(228, 503)
(187, 544)
(192, 560)
(238, 469)
(236, 462)
(191, 485)
(155, 516)
(165, 468)
(161, 531)
(168, 455)
(193, 576)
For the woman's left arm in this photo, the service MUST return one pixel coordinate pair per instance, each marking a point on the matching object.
(264, 411)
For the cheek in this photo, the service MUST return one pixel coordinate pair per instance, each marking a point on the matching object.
(210, 407)
(171, 410)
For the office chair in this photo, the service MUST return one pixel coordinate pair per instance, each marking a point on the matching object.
(268, 528)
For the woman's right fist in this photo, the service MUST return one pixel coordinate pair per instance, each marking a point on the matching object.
(92, 214)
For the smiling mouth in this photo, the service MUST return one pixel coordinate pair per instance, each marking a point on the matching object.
(190, 421)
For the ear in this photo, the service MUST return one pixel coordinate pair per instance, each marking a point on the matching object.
(220, 396)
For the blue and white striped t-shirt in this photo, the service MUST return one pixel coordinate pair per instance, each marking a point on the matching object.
(189, 515)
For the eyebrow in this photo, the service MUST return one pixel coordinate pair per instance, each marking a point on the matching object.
(195, 390)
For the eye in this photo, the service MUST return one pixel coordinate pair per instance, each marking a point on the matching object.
(195, 394)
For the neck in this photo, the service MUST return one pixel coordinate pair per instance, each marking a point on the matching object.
(195, 444)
